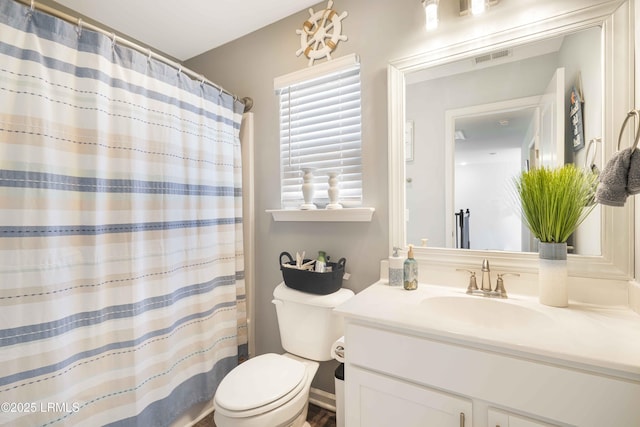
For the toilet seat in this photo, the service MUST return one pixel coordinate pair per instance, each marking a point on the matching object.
(259, 385)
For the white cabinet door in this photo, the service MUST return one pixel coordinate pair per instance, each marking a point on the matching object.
(505, 419)
(374, 400)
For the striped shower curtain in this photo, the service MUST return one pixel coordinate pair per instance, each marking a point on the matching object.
(121, 263)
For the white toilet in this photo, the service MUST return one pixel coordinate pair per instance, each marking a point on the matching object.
(272, 390)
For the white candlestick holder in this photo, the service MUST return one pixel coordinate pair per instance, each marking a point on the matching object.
(307, 189)
(333, 191)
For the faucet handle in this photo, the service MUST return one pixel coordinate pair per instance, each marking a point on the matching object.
(473, 284)
(500, 284)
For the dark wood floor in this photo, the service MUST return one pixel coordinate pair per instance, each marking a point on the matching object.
(317, 417)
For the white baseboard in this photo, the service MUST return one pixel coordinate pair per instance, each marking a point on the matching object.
(322, 399)
(634, 296)
(194, 415)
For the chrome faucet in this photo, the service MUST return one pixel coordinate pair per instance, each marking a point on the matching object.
(485, 289)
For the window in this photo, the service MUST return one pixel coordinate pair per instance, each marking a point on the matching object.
(320, 128)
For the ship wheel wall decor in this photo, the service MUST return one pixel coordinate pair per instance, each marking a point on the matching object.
(321, 33)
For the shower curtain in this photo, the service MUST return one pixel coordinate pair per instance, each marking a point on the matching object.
(122, 295)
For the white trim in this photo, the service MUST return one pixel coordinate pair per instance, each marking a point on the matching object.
(323, 215)
(634, 296)
(189, 419)
(323, 399)
(316, 71)
(249, 221)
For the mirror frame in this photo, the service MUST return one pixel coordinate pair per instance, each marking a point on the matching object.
(617, 255)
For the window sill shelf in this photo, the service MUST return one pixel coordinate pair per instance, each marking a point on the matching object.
(323, 215)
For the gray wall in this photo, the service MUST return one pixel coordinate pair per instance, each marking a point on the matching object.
(247, 66)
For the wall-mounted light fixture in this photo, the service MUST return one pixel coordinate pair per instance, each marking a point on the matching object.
(467, 7)
(475, 7)
(431, 13)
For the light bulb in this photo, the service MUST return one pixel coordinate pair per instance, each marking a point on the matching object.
(431, 14)
(477, 6)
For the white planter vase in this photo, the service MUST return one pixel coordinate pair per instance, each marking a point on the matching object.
(552, 274)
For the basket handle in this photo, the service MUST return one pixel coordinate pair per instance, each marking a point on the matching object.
(342, 263)
(288, 255)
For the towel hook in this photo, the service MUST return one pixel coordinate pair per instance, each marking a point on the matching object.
(589, 164)
(624, 124)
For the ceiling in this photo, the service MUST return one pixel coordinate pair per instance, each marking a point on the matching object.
(491, 136)
(186, 28)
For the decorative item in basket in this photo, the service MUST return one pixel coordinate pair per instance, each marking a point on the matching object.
(300, 275)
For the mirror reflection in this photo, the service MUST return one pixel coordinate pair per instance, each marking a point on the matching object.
(473, 125)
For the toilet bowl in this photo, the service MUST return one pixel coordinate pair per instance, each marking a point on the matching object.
(272, 390)
(268, 390)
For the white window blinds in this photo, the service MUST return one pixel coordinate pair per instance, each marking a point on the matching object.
(320, 128)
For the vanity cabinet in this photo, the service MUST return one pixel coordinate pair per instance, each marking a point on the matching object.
(396, 376)
(384, 401)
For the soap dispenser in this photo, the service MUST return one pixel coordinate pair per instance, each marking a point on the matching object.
(395, 268)
(410, 271)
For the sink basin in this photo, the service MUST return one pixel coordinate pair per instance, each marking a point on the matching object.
(484, 312)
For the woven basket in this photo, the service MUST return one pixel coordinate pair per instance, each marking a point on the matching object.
(311, 281)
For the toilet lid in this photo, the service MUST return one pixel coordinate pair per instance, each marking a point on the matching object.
(259, 381)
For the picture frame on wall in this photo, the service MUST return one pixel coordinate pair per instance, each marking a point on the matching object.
(576, 119)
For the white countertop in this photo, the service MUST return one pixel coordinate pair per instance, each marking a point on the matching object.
(583, 336)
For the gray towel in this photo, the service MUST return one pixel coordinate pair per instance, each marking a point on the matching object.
(633, 181)
(612, 190)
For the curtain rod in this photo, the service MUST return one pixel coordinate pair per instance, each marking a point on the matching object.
(118, 39)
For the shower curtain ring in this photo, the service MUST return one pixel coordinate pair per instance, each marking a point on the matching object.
(179, 69)
(220, 94)
(79, 27)
(202, 82)
(148, 55)
(113, 40)
(32, 8)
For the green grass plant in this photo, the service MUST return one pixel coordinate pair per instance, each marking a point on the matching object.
(555, 201)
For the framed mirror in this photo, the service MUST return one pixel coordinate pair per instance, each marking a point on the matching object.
(458, 170)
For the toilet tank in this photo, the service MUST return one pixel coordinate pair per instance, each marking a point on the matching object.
(308, 325)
